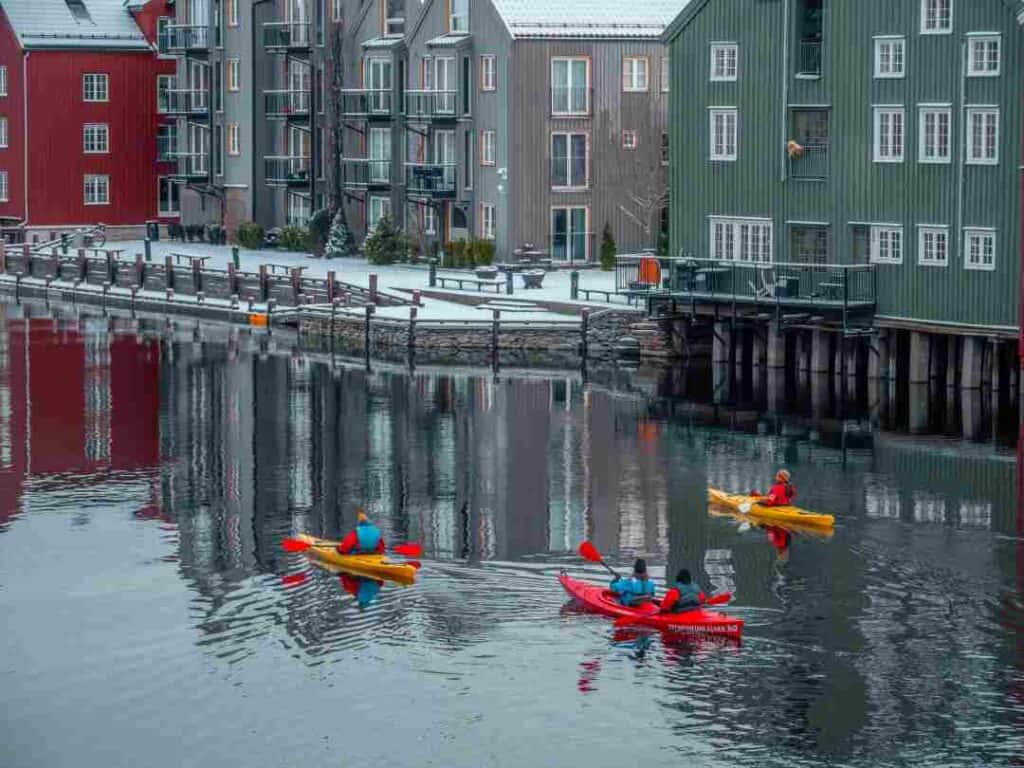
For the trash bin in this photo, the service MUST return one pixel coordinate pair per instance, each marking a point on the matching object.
(153, 230)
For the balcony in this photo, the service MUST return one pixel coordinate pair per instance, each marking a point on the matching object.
(365, 103)
(191, 166)
(185, 101)
(808, 58)
(176, 39)
(809, 159)
(363, 173)
(430, 179)
(165, 148)
(286, 171)
(288, 105)
(286, 36)
(421, 106)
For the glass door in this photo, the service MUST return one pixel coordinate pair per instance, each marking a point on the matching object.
(444, 156)
(379, 83)
(569, 234)
(299, 146)
(298, 22)
(444, 84)
(380, 155)
(299, 86)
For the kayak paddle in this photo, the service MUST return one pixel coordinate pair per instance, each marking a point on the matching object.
(589, 552)
(625, 621)
(295, 545)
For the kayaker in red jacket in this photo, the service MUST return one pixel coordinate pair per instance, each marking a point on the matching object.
(781, 494)
(684, 595)
(366, 539)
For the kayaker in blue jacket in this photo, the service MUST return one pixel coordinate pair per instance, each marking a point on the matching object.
(635, 589)
(366, 539)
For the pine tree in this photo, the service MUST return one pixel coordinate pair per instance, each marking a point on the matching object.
(608, 249)
(386, 244)
(340, 240)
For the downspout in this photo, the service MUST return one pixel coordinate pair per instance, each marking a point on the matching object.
(962, 155)
(24, 140)
(783, 115)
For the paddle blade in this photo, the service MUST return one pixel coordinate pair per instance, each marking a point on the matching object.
(294, 545)
(409, 550)
(719, 599)
(293, 579)
(589, 552)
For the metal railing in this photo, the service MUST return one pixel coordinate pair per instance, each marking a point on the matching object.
(191, 165)
(286, 169)
(436, 179)
(430, 105)
(641, 273)
(367, 102)
(165, 148)
(808, 58)
(179, 38)
(186, 101)
(285, 35)
(812, 160)
(283, 103)
(363, 172)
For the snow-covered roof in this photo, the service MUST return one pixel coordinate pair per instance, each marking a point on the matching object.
(96, 24)
(384, 42)
(449, 40)
(588, 18)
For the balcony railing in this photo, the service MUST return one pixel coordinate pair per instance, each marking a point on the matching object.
(286, 35)
(430, 179)
(165, 148)
(287, 104)
(286, 170)
(182, 38)
(362, 172)
(367, 102)
(430, 105)
(191, 165)
(808, 58)
(809, 160)
(185, 101)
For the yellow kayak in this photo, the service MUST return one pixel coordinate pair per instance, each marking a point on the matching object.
(374, 566)
(793, 526)
(748, 505)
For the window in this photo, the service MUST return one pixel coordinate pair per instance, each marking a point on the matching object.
(983, 135)
(168, 196)
(336, 10)
(487, 221)
(569, 166)
(4, 195)
(458, 21)
(629, 140)
(723, 133)
(233, 74)
(379, 208)
(487, 148)
(218, 33)
(488, 73)
(634, 74)
(886, 246)
(164, 83)
(218, 150)
(232, 8)
(299, 210)
(3, 81)
(979, 249)
(570, 240)
(723, 61)
(933, 246)
(467, 90)
(218, 86)
(889, 134)
(936, 17)
(3, 133)
(166, 137)
(394, 17)
(983, 59)
(97, 189)
(747, 240)
(570, 86)
(321, 154)
(321, 11)
(233, 139)
(468, 159)
(429, 220)
(95, 138)
(664, 149)
(666, 71)
(890, 57)
(95, 87)
(934, 124)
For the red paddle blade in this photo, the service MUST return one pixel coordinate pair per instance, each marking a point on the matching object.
(589, 552)
(294, 545)
(293, 579)
(719, 599)
(410, 550)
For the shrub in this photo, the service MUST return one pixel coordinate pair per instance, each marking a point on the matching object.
(341, 242)
(608, 249)
(484, 253)
(175, 231)
(319, 230)
(386, 244)
(294, 239)
(249, 235)
(215, 234)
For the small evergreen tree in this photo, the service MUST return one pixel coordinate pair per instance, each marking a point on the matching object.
(608, 249)
(387, 244)
(340, 241)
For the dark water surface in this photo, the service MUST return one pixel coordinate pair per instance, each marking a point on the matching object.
(147, 476)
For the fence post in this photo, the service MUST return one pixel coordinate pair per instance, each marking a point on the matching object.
(26, 251)
(574, 285)
(366, 333)
(148, 249)
(169, 273)
(197, 274)
(234, 256)
(412, 328)
(432, 274)
(495, 327)
(508, 283)
(331, 285)
(264, 282)
(56, 264)
(64, 242)
(416, 300)
(232, 280)
(373, 288)
(3, 257)
(140, 272)
(584, 330)
(297, 284)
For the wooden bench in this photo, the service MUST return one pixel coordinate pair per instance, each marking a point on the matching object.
(585, 292)
(497, 285)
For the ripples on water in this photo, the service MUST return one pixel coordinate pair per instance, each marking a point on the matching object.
(151, 617)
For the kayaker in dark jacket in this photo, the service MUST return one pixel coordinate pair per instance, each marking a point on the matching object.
(635, 589)
(366, 539)
(684, 595)
(781, 494)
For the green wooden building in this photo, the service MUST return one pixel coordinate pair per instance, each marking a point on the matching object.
(884, 132)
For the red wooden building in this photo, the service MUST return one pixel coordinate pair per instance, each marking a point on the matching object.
(79, 114)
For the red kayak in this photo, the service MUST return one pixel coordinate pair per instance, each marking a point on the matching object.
(696, 622)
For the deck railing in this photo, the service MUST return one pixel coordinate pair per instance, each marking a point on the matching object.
(808, 58)
(286, 169)
(285, 35)
(286, 103)
(364, 172)
(812, 161)
(177, 38)
(430, 105)
(433, 179)
(367, 102)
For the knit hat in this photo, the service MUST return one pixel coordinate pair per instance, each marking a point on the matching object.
(783, 475)
(640, 567)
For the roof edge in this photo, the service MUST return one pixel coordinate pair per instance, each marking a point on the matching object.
(680, 22)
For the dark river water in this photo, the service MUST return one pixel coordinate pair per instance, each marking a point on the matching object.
(148, 473)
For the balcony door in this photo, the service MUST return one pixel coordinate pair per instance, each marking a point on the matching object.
(380, 154)
(198, 85)
(299, 150)
(198, 13)
(569, 238)
(299, 85)
(444, 155)
(198, 148)
(379, 82)
(445, 85)
(298, 21)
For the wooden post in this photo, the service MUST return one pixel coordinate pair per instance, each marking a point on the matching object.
(412, 329)
(3, 257)
(970, 362)
(819, 351)
(264, 282)
(27, 270)
(920, 347)
(297, 285)
(373, 288)
(169, 273)
(332, 285)
(584, 329)
(508, 283)
(232, 279)
(111, 268)
(776, 352)
(432, 274)
(574, 285)
(495, 328)
(140, 271)
(197, 275)
(416, 300)
(366, 333)
(148, 249)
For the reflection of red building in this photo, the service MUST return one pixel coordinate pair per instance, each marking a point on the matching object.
(73, 403)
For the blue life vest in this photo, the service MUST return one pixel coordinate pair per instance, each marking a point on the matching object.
(689, 597)
(631, 590)
(369, 537)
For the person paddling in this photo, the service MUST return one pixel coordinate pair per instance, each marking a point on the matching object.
(635, 589)
(781, 494)
(684, 595)
(366, 539)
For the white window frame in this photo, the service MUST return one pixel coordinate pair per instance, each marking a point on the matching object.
(744, 240)
(986, 39)
(924, 111)
(4, 190)
(724, 155)
(488, 217)
(232, 13)
(3, 133)
(96, 139)
(878, 144)
(568, 158)
(973, 113)
(885, 244)
(163, 83)
(984, 233)
(91, 90)
(234, 75)
(429, 220)
(160, 210)
(231, 140)
(95, 178)
(636, 74)
(3, 80)
(891, 42)
(666, 72)
(488, 143)
(372, 217)
(336, 11)
(458, 22)
(931, 235)
(488, 72)
(724, 74)
(630, 139)
(586, 88)
(570, 232)
(936, 30)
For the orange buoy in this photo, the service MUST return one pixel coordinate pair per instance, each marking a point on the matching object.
(650, 271)
(259, 319)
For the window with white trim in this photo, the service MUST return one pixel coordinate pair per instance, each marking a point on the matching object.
(983, 59)
(486, 221)
(394, 17)
(3, 80)
(723, 62)
(635, 74)
(232, 140)
(458, 19)
(666, 71)
(429, 220)
(936, 17)
(745, 240)
(886, 245)
(934, 124)
(569, 160)
(890, 57)
(97, 189)
(3, 133)
(979, 248)
(570, 233)
(630, 140)
(168, 196)
(337, 12)
(570, 86)
(233, 74)
(933, 246)
(232, 13)
(95, 87)
(379, 208)
(4, 195)
(95, 138)
(164, 84)
(983, 135)
(723, 133)
(488, 73)
(889, 122)
(487, 148)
